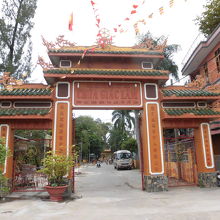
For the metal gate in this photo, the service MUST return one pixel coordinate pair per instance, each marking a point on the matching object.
(180, 161)
(28, 155)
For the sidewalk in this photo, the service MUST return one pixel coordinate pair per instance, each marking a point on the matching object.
(106, 194)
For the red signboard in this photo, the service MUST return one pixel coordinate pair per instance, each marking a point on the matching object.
(107, 94)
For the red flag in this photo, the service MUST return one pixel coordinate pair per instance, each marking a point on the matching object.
(71, 22)
(98, 20)
(135, 6)
(133, 11)
(127, 19)
(92, 2)
(115, 29)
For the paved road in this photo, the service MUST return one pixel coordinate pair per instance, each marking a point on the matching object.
(107, 194)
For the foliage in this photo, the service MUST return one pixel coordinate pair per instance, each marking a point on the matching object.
(3, 151)
(167, 63)
(33, 155)
(3, 180)
(122, 119)
(56, 167)
(15, 43)
(210, 18)
(91, 134)
(129, 144)
(116, 138)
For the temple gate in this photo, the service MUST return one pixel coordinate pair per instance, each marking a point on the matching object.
(112, 78)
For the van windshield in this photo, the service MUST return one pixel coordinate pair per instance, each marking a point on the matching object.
(124, 155)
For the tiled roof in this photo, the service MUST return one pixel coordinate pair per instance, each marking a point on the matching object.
(25, 92)
(129, 52)
(201, 111)
(21, 111)
(188, 92)
(135, 72)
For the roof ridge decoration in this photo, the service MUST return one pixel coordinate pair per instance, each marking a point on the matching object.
(9, 82)
(60, 42)
(199, 82)
(44, 64)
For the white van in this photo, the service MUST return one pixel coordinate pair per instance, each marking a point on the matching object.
(122, 159)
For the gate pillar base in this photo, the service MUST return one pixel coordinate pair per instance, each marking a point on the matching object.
(156, 183)
(207, 180)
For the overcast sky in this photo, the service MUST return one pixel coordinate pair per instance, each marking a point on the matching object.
(176, 23)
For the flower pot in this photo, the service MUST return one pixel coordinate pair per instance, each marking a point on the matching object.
(56, 193)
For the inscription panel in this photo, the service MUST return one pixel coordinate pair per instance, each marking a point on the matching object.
(207, 146)
(107, 94)
(155, 150)
(61, 136)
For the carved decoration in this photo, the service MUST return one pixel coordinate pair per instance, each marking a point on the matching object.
(150, 44)
(216, 105)
(214, 88)
(43, 64)
(104, 39)
(60, 42)
(199, 82)
(47, 44)
(8, 81)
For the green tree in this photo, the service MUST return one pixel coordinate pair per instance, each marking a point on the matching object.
(210, 18)
(15, 38)
(92, 134)
(167, 63)
(123, 120)
(129, 144)
(116, 138)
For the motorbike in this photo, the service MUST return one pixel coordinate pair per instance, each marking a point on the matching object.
(98, 164)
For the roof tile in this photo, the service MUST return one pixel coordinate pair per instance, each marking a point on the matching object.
(187, 92)
(135, 72)
(200, 111)
(22, 111)
(25, 92)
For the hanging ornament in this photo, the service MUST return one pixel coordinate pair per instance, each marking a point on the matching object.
(161, 10)
(92, 3)
(151, 15)
(171, 3)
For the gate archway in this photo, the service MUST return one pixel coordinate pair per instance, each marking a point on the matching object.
(112, 78)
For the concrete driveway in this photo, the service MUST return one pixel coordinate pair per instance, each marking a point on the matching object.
(107, 194)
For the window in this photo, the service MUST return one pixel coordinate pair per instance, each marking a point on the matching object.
(151, 91)
(65, 63)
(147, 65)
(201, 104)
(6, 104)
(62, 90)
(217, 58)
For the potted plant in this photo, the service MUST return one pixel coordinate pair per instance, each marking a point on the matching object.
(56, 167)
